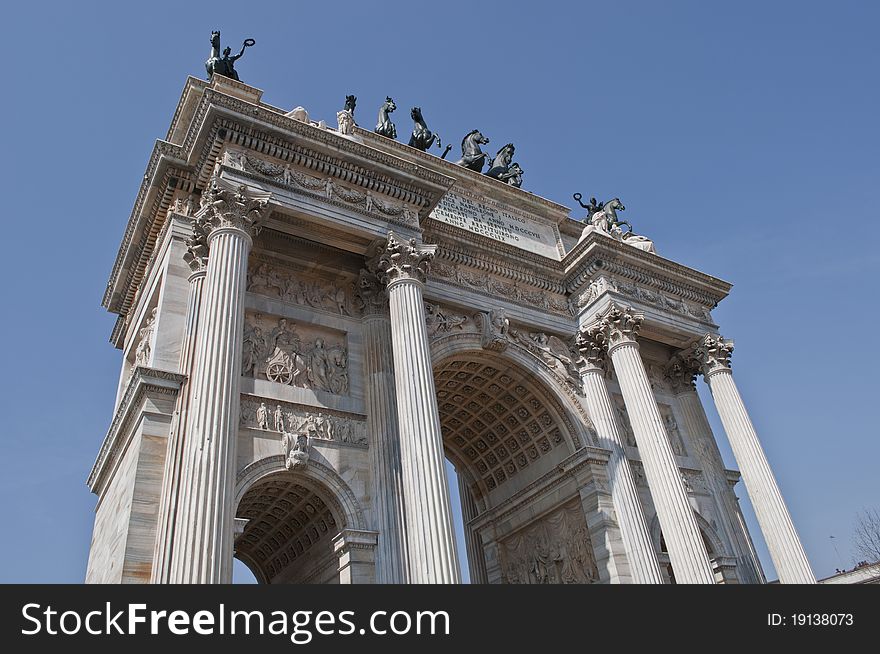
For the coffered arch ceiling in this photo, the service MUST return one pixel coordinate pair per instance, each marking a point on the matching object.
(288, 523)
(498, 423)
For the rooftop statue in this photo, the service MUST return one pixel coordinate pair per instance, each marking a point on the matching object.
(513, 176)
(350, 103)
(422, 138)
(602, 217)
(501, 162)
(385, 127)
(591, 208)
(224, 65)
(472, 157)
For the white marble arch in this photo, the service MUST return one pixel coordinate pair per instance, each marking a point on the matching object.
(450, 346)
(321, 480)
(315, 476)
(560, 402)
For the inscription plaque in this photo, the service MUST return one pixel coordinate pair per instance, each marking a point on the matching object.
(495, 223)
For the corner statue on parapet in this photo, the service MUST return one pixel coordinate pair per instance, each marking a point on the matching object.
(602, 218)
(224, 65)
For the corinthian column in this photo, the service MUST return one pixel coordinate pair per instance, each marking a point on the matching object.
(230, 218)
(681, 373)
(430, 539)
(617, 330)
(174, 495)
(391, 566)
(713, 354)
(640, 553)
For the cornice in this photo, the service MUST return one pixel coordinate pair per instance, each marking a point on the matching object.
(143, 381)
(483, 253)
(599, 253)
(488, 186)
(261, 117)
(220, 118)
(168, 161)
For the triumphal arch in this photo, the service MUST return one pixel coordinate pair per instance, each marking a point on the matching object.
(314, 318)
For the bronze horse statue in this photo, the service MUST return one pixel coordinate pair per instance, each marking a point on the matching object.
(422, 138)
(472, 157)
(385, 127)
(501, 162)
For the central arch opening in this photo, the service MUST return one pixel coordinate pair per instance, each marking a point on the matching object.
(289, 526)
(504, 431)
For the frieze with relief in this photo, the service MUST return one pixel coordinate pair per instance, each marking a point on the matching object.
(271, 280)
(284, 352)
(607, 284)
(319, 424)
(555, 550)
(510, 290)
(328, 187)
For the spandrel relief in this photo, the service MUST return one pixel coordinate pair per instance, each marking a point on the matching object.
(284, 352)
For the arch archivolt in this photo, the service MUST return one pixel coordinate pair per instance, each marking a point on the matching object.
(316, 476)
(502, 413)
(292, 518)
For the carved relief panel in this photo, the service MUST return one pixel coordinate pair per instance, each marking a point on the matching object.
(284, 352)
(554, 550)
(319, 424)
(286, 283)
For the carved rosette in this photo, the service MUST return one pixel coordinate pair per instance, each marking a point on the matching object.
(711, 353)
(680, 374)
(196, 255)
(617, 326)
(593, 350)
(370, 294)
(404, 260)
(226, 206)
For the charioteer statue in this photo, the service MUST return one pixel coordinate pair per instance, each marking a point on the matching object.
(224, 65)
(602, 217)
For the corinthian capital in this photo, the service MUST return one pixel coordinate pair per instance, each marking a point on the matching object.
(370, 294)
(617, 325)
(196, 255)
(225, 205)
(399, 260)
(712, 353)
(681, 372)
(594, 351)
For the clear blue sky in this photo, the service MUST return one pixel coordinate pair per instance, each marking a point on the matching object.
(742, 137)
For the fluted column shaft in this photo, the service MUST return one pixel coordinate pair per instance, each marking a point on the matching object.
(785, 546)
(640, 553)
(681, 533)
(476, 557)
(174, 494)
(391, 562)
(430, 536)
(697, 426)
(226, 223)
(617, 329)
(216, 399)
